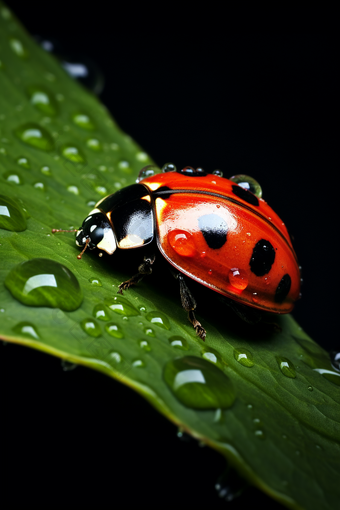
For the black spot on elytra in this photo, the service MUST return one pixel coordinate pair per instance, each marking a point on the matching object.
(262, 258)
(246, 195)
(214, 230)
(283, 288)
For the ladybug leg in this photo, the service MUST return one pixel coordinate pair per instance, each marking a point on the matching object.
(143, 269)
(189, 305)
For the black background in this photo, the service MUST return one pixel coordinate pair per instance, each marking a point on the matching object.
(255, 103)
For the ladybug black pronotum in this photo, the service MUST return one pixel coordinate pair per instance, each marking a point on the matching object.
(217, 231)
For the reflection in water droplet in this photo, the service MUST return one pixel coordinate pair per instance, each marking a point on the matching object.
(178, 342)
(149, 332)
(24, 162)
(145, 345)
(213, 356)
(94, 144)
(42, 100)
(114, 330)
(39, 185)
(12, 216)
(138, 363)
(18, 48)
(198, 384)
(115, 357)
(158, 319)
(121, 306)
(91, 327)
(73, 153)
(182, 242)
(36, 136)
(95, 281)
(238, 278)
(244, 357)
(45, 170)
(101, 313)
(335, 359)
(26, 329)
(13, 178)
(330, 375)
(44, 282)
(286, 367)
(82, 120)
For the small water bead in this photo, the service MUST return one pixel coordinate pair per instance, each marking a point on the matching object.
(238, 278)
(198, 384)
(39, 185)
(94, 144)
(114, 146)
(91, 327)
(169, 167)
(114, 330)
(149, 332)
(248, 183)
(310, 388)
(260, 434)
(212, 356)
(91, 203)
(115, 357)
(244, 357)
(3, 151)
(44, 282)
(83, 121)
(73, 189)
(138, 363)
(330, 375)
(145, 345)
(158, 319)
(286, 367)
(101, 190)
(13, 178)
(96, 282)
(182, 242)
(35, 136)
(12, 215)
(45, 170)
(42, 100)
(142, 156)
(147, 171)
(27, 329)
(101, 313)
(18, 48)
(219, 173)
(121, 306)
(142, 309)
(178, 342)
(335, 360)
(73, 153)
(102, 168)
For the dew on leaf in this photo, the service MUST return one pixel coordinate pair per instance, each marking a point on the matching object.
(198, 384)
(96, 282)
(121, 306)
(94, 144)
(44, 282)
(42, 100)
(83, 121)
(149, 332)
(114, 330)
(142, 156)
(35, 136)
(100, 312)
(72, 153)
(26, 329)
(145, 345)
(13, 178)
(91, 327)
(178, 342)
(212, 356)
(45, 170)
(138, 363)
(115, 357)
(39, 185)
(73, 189)
(18, 48)
(244, 357)
(158, 319)
(286, 367)
(260, 434)
(330, 375)
(12, 216)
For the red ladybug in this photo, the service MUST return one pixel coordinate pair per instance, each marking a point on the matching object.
(216, 231)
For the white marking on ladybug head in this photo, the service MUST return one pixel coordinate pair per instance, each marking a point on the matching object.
(108, 243)
(77, 234)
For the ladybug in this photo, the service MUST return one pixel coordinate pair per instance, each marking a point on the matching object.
(216, 231)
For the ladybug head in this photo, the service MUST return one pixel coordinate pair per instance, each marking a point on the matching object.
(96, 232)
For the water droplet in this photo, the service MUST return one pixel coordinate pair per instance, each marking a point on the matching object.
(18, 48)
(310, 388)
(178, 342)
(121, 306)
(101, 313)
(247, 183)
(6, 13)
(158, 319)
(260, 434)
(330, 375)
(244, 357)
(39, 185)
(67, 366)
(94, 144)
(45, 170)
(42, 100)
(3, 151)
(27, 329)
(182, 242)
(36, 136)
(238, 278)
(138, 363)
(249, 406)
(13, 178)
(73, 189)
(115, 356)
(142, 309)
(23, 162)
(147, 171)
(12, 216)
(101, 190)
(44, 282)
(286, 367)
(149, 332)
(83, 121)
(91, 327)
(95, 281)
(335, 360)
(142, 156)
(145, 345)
(212, 356)
(198, 384)
(73, 153)
(114, 330)
(217, 172)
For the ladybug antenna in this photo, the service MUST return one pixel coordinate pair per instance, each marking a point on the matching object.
(55, 230)
(82, 252)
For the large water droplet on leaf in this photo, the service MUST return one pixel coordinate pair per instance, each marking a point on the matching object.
(12, 217)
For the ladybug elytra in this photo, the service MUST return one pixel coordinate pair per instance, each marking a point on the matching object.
(217, 231)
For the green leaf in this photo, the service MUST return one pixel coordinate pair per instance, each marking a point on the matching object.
(267, 399)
